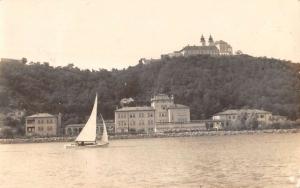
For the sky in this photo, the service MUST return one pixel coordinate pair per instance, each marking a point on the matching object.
(95, 34)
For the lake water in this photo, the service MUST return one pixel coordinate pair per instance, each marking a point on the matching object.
(265, 160)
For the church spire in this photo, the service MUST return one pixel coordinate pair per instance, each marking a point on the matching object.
(211, 41)
(203, 41)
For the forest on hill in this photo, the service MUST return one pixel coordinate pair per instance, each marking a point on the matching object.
(207, 84)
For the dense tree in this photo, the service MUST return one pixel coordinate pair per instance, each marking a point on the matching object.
(207, 84)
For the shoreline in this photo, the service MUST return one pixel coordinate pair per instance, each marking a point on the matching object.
(154, 135)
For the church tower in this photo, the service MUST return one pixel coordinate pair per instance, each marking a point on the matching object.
(211, 41)
(203, 41)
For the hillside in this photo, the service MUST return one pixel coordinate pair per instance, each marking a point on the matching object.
(207, 84)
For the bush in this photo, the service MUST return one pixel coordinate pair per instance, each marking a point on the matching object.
(6, 132)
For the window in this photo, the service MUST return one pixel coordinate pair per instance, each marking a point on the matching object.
(40, 128)
(262, 116)
(121, 115)
(162, 114)
(30, 129)
(30, 121)
(49, 128)
(49, 121)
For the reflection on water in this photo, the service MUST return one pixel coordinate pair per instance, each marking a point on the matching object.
(216, 161)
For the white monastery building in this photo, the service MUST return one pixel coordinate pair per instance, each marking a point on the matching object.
(213, 48)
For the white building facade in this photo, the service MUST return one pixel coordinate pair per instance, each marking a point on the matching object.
(135, 119)
(162, 112)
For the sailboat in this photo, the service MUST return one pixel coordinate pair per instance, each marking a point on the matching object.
(87, 136)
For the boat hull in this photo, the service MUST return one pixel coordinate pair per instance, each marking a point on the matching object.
(76, 146)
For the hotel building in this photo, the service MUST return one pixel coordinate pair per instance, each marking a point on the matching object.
(162, 112)
(134, 119)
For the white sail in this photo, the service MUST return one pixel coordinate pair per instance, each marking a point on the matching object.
(88, 133)
(104, 138)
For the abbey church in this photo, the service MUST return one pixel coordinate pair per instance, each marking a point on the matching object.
(212, 48)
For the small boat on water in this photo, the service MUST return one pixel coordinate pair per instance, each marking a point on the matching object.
(87, 136)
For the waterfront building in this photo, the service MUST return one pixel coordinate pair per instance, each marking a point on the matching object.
(278, 119)
(162, 114)
(135, 119)
(75, 129)
(161, 104)
(167, 111)
(43, 124)
(228, 116)
(179, 113)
